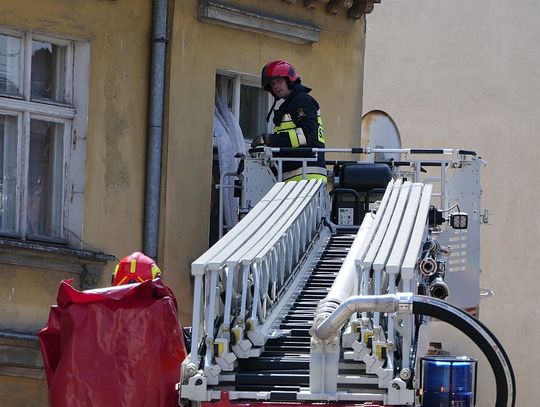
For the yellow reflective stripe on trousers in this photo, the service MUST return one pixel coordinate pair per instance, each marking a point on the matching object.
(311, 173)
(308, 176)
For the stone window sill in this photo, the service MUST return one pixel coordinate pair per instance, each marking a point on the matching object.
(20, 356)
(88, 265)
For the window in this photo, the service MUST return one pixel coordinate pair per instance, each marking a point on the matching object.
(43, 106)
(242, 94)
(249, 103)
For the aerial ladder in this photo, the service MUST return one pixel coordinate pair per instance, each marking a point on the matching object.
(319, 297)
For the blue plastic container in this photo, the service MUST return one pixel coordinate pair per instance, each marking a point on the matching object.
(448, 381)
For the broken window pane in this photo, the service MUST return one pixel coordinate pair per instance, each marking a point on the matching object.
(48, 71)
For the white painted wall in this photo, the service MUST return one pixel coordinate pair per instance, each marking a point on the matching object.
(467, 74)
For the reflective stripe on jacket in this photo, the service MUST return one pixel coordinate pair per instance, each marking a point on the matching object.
(296, 134)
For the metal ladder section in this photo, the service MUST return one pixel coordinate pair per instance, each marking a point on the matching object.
(357, 322)
(356, 364)
(282, 369)
(269, 317)
(247, 280)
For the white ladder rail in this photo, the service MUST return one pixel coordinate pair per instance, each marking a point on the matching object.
(299, 227)
(242, 257)
(393, 266)
(383, 254)
(217, 265)
(290, 212)
(410, 261)
(199, 267)
(369, 258)
(383, 250)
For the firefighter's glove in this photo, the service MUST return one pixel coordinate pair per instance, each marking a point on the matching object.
(259, 140)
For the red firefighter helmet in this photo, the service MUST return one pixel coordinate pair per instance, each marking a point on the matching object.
(135, 268)
(278, 69)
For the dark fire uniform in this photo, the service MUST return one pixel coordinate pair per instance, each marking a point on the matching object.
(298, 123)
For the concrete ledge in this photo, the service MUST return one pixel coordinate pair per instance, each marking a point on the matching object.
(20, 356)
(228, 15)
(87, 265)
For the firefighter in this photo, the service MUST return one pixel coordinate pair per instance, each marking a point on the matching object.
(135, 268)
(297, 121)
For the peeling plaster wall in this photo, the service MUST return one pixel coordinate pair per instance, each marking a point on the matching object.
(118, 33)
(119, 36)
(466, 74)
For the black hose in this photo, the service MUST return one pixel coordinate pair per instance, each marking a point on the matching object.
(481, 336)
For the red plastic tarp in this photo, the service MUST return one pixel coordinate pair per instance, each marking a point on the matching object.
(117, 346)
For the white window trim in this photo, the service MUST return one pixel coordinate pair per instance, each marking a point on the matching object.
(74, 208)
(38, 108)
(73, 113)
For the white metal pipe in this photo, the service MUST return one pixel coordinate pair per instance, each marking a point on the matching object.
(256, 290)
(211, 313)
(329, 327)
(222, 187)
(343, 286)
(197, 315)
(231, 277)
(444, 151)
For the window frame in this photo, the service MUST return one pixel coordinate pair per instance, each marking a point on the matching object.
(72, 113)
(239, 79)
(68, 80)
(17, 34)
(18, 187)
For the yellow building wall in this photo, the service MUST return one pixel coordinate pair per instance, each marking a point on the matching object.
(332, 67)
(119, 36)
(17, 392)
